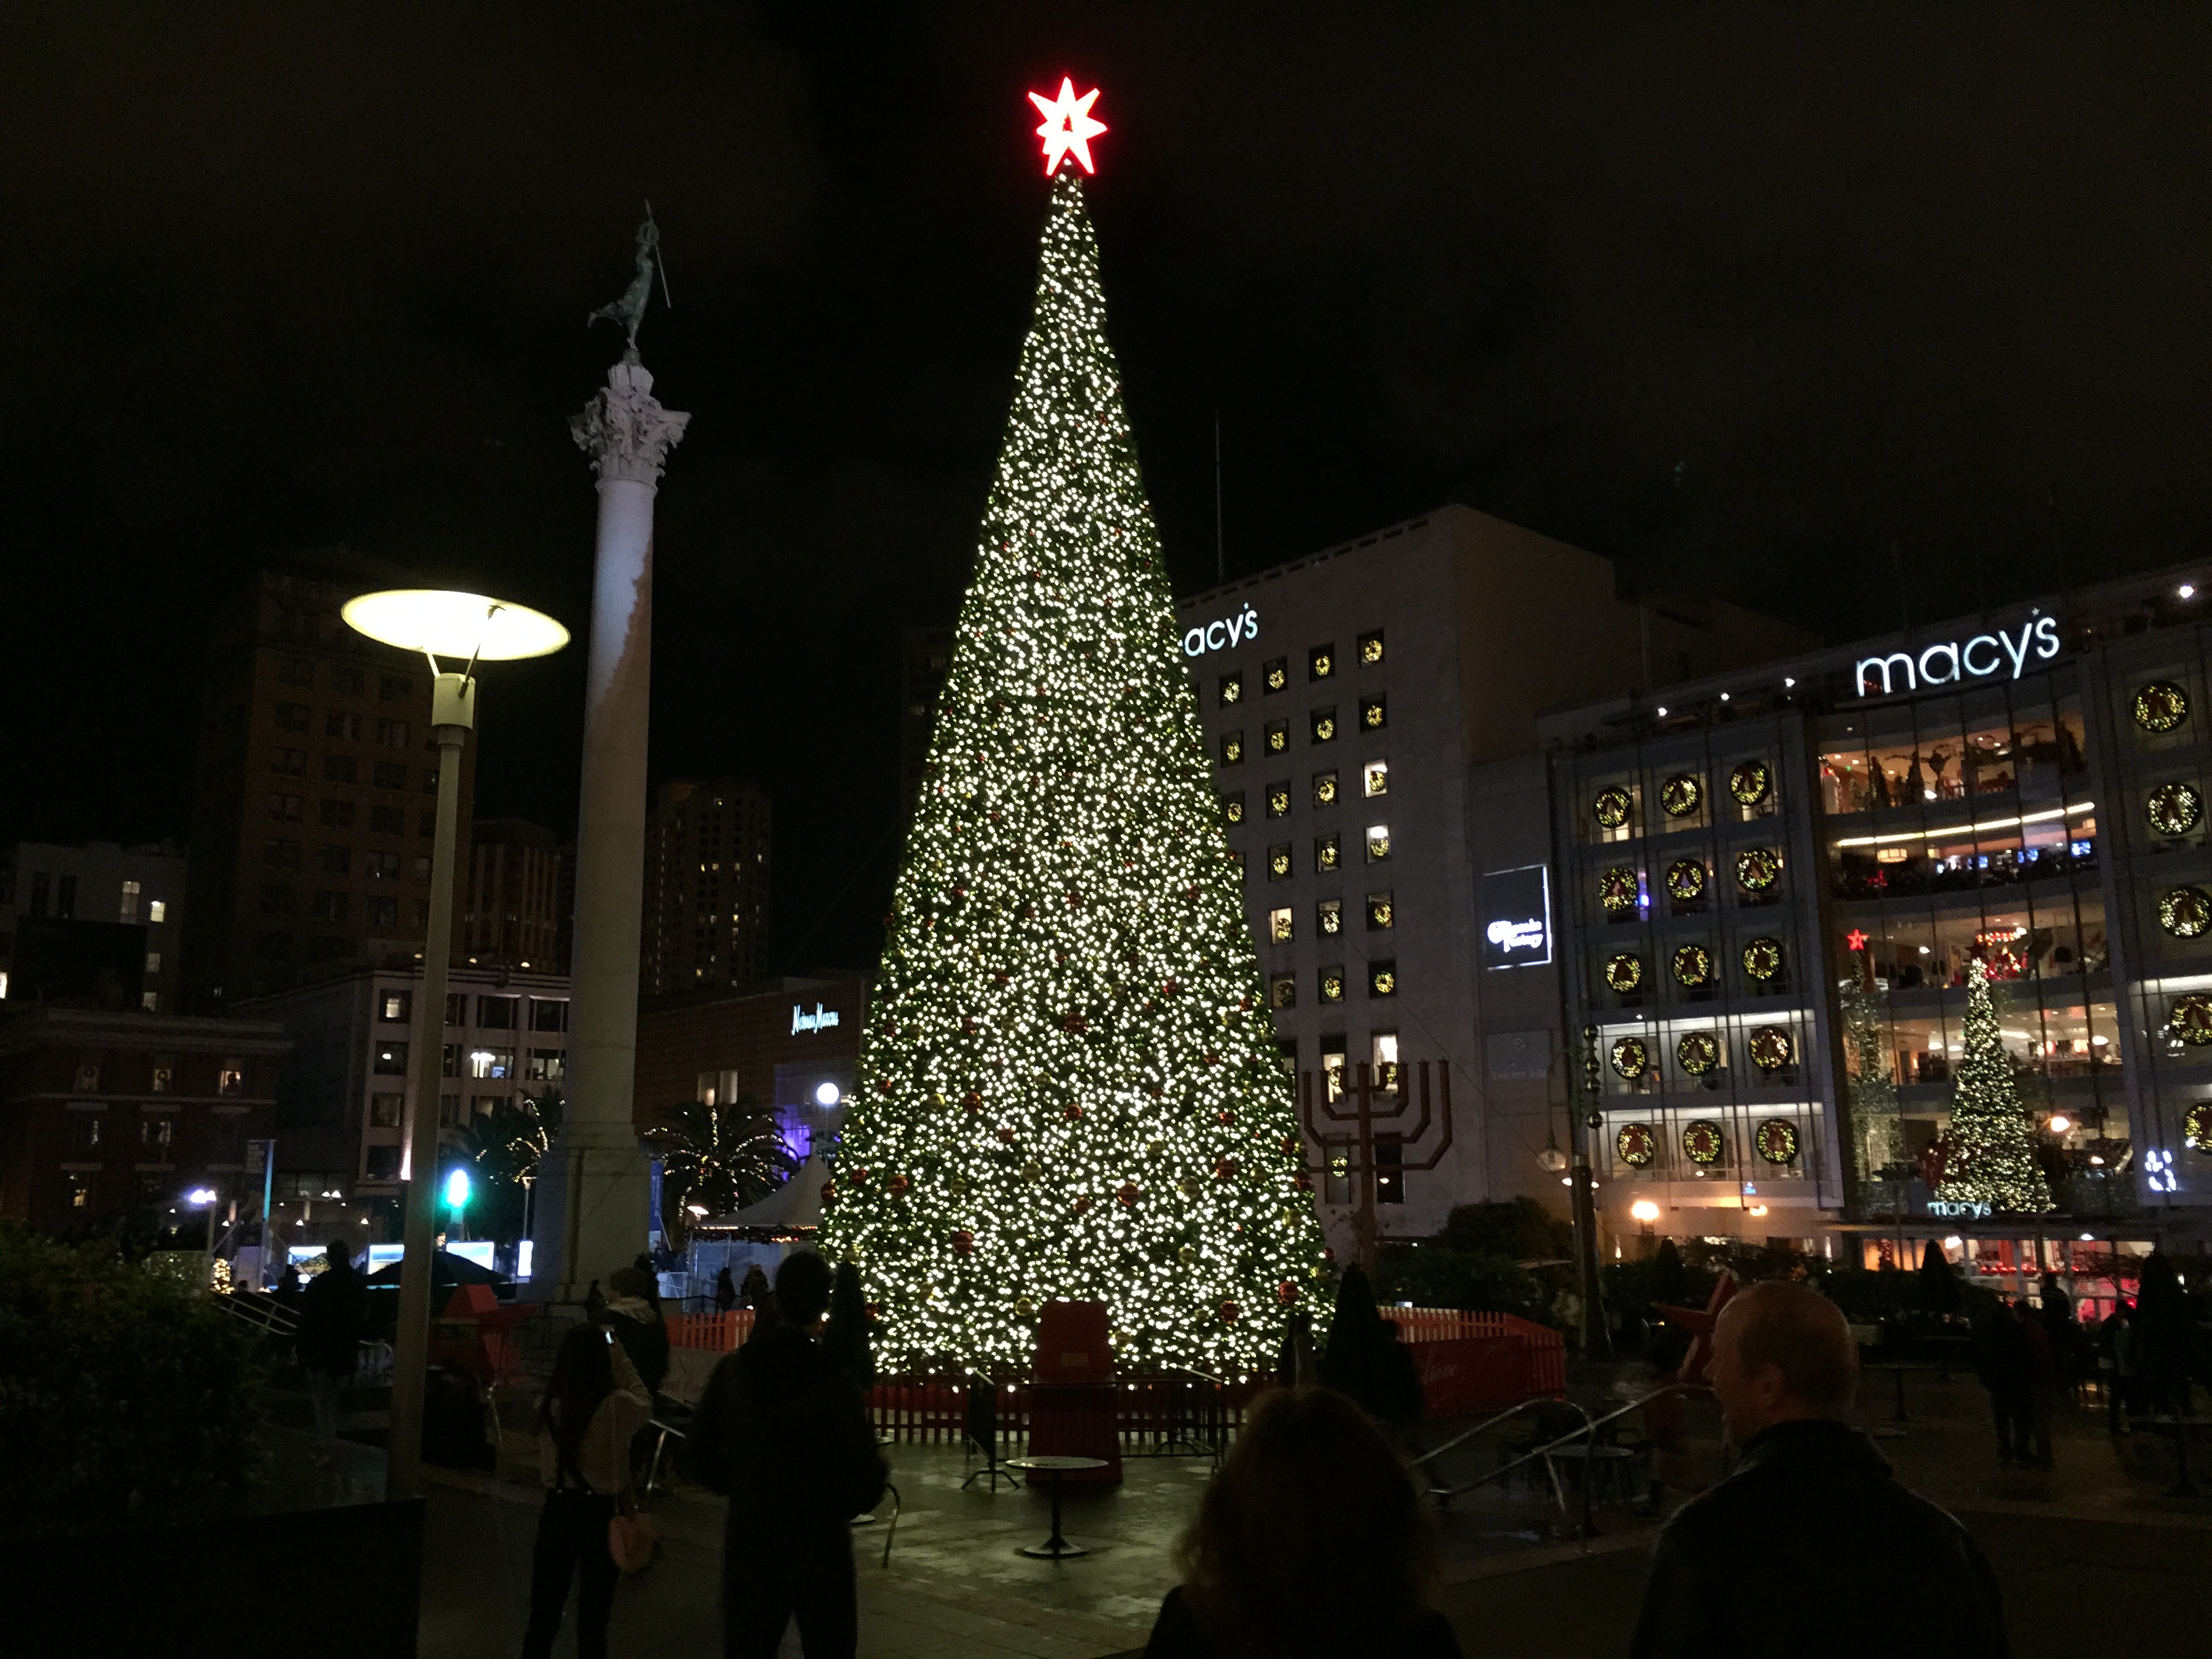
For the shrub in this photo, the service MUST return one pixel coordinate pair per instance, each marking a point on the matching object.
(1434, 1275)
(125, 1396)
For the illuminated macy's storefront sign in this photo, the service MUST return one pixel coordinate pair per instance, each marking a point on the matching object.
(1220, 635)
(1985, 656)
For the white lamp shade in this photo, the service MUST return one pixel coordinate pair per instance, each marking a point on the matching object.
(459, 625)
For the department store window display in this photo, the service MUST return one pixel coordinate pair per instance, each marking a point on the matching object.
(1379, 842)
(1375, 779)
(1938, 751)
(1329, 917)
(1329, 852)
(1281, 925)
(1380, 913)
(1324, 788)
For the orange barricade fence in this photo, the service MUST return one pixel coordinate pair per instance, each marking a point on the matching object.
(1160, 1411)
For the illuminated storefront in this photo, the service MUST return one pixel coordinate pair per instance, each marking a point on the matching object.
(1771, 886)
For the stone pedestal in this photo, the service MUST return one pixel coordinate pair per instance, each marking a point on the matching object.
(592, 1193)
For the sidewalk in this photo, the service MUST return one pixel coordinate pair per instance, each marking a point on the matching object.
(2095, 1559)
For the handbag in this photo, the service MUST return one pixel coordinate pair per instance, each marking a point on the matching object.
(632, 1539)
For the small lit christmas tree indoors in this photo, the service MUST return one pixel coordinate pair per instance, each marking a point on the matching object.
(1069, 1087)
(1988, 1155)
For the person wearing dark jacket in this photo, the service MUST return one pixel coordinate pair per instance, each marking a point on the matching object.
(726, 1292)
(329, 1339)
(782, 1431)
(1814, 1505)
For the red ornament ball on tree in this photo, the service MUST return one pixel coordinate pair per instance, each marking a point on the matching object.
(1286, 1292)
(1229, 1311)
(1225, 1117)
(1224, 1168)
(896, 1186)
(963, 1242)
(1126, 1192)
(1073, 1114)
(1082, 1203)
(1006, 1133)
(972, 1101)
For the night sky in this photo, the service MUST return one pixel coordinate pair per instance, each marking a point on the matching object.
(1738, 297)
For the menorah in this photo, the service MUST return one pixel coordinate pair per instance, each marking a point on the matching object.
(1353, 1134)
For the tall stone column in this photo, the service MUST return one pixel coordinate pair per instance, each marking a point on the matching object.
(592, 1194)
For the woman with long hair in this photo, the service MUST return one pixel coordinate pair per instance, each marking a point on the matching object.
(594, 1403)
(1311, 1540)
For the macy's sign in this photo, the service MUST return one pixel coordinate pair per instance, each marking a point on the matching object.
(1947, 664)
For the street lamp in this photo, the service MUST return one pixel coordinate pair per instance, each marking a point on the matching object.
(205, 1198)
(478, 629)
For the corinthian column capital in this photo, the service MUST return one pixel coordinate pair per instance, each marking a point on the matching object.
(624, 429)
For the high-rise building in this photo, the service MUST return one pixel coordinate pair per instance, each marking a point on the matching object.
(925, 659)
(514, 895)
(706, 889)
(92, 925)
(314, 801)
(1372, 714)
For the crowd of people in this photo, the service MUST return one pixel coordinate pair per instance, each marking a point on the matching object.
(1316, 1490)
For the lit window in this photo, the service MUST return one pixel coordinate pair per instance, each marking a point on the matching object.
(1278, 735)
(1324, 788)
(230, 1078)
(156, 1133)
(153, 962)
(1370, 647)
(1379, 842)
(1279, 800)
(1283, 991)
(1379, 912)
(157, 910)
(1381, 979)
(150, 1001)
(1374, 713)
(1232, 806)
(1278, 861)
(1332, 985)
(1328, 852)
(393, 1007)
(384, 1110)
(1321, 662)
(492, 1063)
(389, 1060)
(1386, 1061)
(1332, 1067)
(1232, 748)
(130, 900)
(1323, 723)
(1280, 925)
(1328, 916)
(1231, 689)
(1276, 675)
(1375, 779)
(164, 1071)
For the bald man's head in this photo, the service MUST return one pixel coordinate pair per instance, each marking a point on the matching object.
(1782, 1352)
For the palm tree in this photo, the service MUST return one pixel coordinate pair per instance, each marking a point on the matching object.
(720, 1158)
(503, 1147)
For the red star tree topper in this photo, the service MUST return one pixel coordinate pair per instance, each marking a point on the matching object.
(1068, 128)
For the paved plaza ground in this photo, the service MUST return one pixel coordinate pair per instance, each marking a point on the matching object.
(2098, 1561)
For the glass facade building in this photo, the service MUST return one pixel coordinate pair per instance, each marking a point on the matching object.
(1773, 884)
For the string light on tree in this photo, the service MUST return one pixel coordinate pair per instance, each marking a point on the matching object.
(1987, 1154)
(1069, 1086)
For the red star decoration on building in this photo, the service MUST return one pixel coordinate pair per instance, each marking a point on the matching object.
(1068, 128)
(1855, 939)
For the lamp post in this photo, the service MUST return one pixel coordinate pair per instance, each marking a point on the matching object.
(479, 629)
(457, 1198)
(206, 1198)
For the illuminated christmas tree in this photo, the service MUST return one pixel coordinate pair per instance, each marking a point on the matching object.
(1069, 1086)
(1988, 1157)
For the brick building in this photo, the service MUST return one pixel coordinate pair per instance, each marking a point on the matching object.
(314, 796)
(515, 883)
(783, 1045)
(108, 1115)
